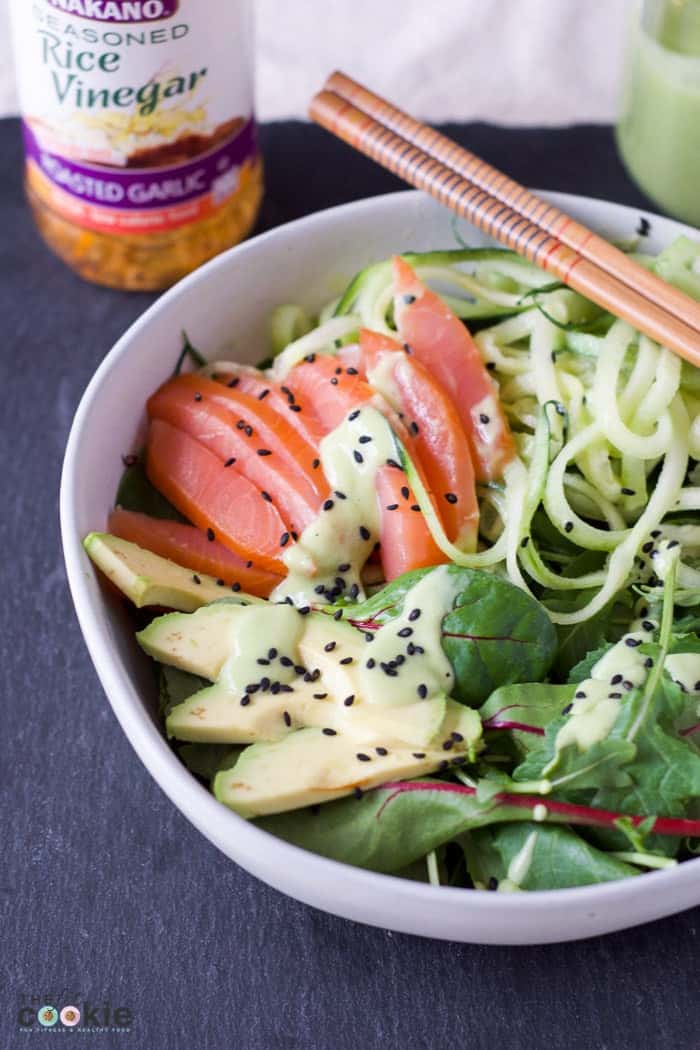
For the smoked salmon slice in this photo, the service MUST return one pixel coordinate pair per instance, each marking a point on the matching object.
(439, 441)
(441, 342)
(190, 547)
(255, 384)
(248, 440)
(212, 496)
(405, 539)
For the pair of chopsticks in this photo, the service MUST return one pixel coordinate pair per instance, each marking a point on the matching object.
(509, 213)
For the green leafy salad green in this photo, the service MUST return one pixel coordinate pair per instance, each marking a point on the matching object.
(523, 717)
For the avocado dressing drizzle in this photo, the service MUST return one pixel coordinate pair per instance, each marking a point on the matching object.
(343, 535)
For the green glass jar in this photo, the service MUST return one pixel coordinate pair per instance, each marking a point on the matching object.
(658, 133)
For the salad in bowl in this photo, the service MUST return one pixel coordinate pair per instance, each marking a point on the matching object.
(421, 590)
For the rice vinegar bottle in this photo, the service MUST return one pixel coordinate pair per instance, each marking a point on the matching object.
(140, 142)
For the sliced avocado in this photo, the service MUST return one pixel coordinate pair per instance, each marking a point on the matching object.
(147, 579)
(200, 642)
(308, 767)
(215, 715)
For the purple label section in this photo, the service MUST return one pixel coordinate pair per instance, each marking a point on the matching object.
(144, 188)
(117, 10)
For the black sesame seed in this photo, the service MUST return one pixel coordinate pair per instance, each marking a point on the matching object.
(310, 358)
(672, 544)
(443, 765)
(524, 541)
(357, 456)
(369, 637)
(294, 535)
(211, 536)
(339, 495)
(249, 565)
(195, 578)
(362, 757)
(647, 547)
(483, 418)
(198, 397)
(580, 695)
(229, 462)
(245, 700)
(459, 760)
(320, 696)
(616, 679)
(655, 534)
(357, 792)
(264, 452)
(569, 526)
(286, 661)
(316, 463)
(338, 615)
(263, 661)
(419, 754)
(399, 660)
(492, 884)
(294, 408)
(364, 532)
(329, 647)
(249, 431)
(447, 745)
(414, 428)
(338, 370)
(648, 625)
(392, 506)
(450, 497)
(364, 438)
(240, 424)
(628, 685)
(410, 648)
(405, 632)
(284, 539)
(648, 662)
(233, 382)
(408, 299)
(344, 566)
(491, 365)
(353, 415)
(632, 642)
(328, 504)
(393, 463)
(263, 394)
(346, 660)
(252, 687)
(371, 663)
(304, 610)
(405, 491)
(628, 492)
(457, 737)
(275, 688)
(422, 691)
(354, 591)
(381, 751)
(615, 696)
(219, 583)
(265, 684)
(266, 496)
(352, 371)
(235, 587)
(414, 615)
(334, 381)
(287, 718)
(329, 732)
(349, 700)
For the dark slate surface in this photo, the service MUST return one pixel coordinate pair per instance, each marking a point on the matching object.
(107, 892)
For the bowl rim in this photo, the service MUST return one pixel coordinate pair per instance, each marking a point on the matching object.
(151, 746)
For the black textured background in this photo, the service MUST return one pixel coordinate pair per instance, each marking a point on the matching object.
(107, 892)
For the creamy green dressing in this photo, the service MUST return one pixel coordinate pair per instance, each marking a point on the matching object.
(251, 639)
(333, 548)
(406, 661)
(684, 669)
(596, 702)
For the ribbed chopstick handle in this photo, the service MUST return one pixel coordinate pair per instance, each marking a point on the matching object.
(367, 135)
(547, 216)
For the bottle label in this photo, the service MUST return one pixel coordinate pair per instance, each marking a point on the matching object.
(137, 114)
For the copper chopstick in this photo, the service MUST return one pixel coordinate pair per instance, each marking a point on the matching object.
(518, 232)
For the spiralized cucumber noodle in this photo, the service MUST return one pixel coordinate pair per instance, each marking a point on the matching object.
(606, 423)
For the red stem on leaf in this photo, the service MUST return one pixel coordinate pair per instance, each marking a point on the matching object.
(601, 818)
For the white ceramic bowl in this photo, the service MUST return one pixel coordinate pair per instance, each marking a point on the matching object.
(225, 306)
